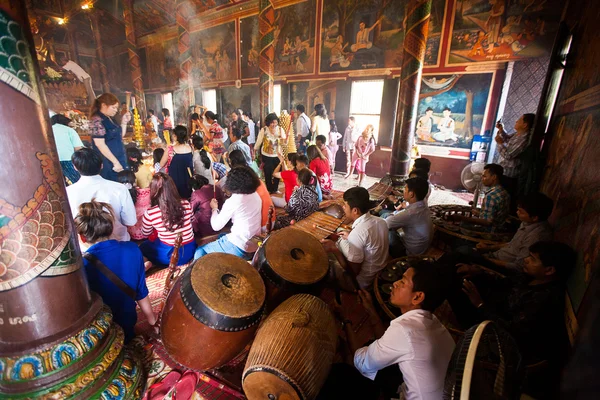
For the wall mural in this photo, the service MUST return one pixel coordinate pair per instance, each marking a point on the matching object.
(150, 16)
(503, 30)
(214, 55)
(250, 47)
(294, 38)
(245, 98)
(161, 63)
(452, 109)
(367, 34)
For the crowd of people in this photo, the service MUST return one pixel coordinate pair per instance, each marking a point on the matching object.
(206, 184)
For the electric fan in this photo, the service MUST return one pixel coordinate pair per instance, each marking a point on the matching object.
(471, 176)
(486, 364)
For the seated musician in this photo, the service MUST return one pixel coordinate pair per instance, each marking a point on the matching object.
(416, 341)
(533, 211)
(243, 208)
(202, 194)
(237, 159)
(415, 221)
(94, 224)
(494, 211)
(363, 251)
(395, 204)
(529, 304)
(304, 200)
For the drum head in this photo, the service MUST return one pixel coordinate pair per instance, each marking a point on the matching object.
(296, 256)
(224, 287)
(262, 385)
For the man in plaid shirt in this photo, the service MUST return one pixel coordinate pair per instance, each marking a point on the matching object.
(510, 148)
(494, 211)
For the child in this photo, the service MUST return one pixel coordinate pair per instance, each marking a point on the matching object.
(94, 224)
(304, 200)
(320, 166)
(301, 163)
(320, 141)
(289, 177)
(141, 200)
(157, 155)
(143, 173)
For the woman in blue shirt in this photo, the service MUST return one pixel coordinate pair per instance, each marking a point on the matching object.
(94, 224)
(107, 135)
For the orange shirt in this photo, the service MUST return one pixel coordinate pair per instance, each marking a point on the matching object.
(266, 203)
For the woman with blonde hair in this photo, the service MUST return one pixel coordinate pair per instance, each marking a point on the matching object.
(108, 259)
(106, 135)
(363, 148)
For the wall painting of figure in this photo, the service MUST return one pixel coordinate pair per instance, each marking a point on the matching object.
(250, 46)
(452, 109)
(502, 30)
(294, 39)
(214, 54)
(369, 34)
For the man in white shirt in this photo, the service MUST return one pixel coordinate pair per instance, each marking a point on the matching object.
(91, 185)
(302, 128)
(415, 221)
(416, 341)
(362, 252)
(154, 119)
(445, 127)
(81, 75)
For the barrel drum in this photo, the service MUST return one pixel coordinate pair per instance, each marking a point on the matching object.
(291, 261)
(292, 353)
(212, 312)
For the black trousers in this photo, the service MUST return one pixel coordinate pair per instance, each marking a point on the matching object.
(270, 163)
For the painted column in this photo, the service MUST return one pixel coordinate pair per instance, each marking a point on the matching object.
(184, 97)
(57, 340)
(134, 59)
(266, 28)
(418, 13)
(100, 58)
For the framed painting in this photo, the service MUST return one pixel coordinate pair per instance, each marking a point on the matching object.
(452, 110)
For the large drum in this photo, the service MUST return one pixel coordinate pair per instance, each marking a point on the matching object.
(212, 312)
(292, 353)
(291, 261)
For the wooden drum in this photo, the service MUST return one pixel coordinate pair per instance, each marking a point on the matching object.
(292, 352)
(291, 261)
(212, 312)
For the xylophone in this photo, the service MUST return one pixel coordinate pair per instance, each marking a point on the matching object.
(321, 224)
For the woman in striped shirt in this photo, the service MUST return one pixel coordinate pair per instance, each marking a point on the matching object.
(169, 215)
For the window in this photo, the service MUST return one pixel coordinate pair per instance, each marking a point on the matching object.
(276, 99)
(365, 104)
(209, 99)
(167, 102)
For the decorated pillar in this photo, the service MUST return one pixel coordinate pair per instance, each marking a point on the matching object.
(57, 340)
(266, 28)
(418, 13)
(100, 58)
(184, 97)
(134, 59)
